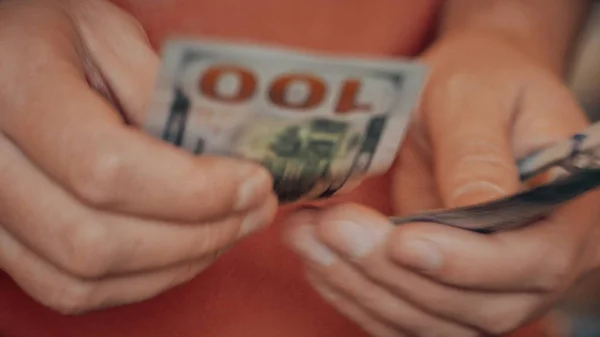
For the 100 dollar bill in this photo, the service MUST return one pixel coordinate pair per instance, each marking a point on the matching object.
(317, 122)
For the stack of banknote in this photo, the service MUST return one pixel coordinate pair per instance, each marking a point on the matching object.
(320, 123)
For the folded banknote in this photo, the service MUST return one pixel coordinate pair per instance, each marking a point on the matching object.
(569, 169)
(318, 122)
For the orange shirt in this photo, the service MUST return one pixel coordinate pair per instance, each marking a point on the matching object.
(257, 289)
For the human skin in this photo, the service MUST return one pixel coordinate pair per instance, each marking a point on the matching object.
(259, 284)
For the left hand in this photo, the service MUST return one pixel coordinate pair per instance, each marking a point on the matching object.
(487, 102)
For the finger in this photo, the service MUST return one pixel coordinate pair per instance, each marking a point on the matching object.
(122, 63)
(384, 305)
(70, 295)
(534, 258)
(469, 127)
(546, 256)
(92, 244)
(413, 190)
(344, 238)
(549, 113)
(369, 295)
(352, 311)
(83, 144)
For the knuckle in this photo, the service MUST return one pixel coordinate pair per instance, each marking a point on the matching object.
(72, 299)
(496, 326)
(462, 333)
(377, 271)
(215, 237)
(447, 332)
(555, 272)
(367, 299)
(420, 327)
(450, 83)
(479, 171)
(96, 182)
(459, 80)
(373, 268)
(365, 294)
(481, 150)
(189, 272)
(443, 303)
(89, 254)
(501, 326)
(503, 319)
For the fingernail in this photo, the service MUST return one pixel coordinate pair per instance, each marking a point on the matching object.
(254, 182)
(356, 239)
(305, 240)
(423, 255)
(254, 221)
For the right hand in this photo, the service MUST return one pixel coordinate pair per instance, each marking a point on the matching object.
(94, 212)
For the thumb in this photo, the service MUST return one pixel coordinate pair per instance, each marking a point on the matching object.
(122, 64)
(469, 123)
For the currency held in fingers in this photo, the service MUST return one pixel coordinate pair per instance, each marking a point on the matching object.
(581, 151)
(570, 168)
(318, 122)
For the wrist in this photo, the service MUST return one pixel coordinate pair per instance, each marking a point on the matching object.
(488, 48)
(537, 30)
(528, 46)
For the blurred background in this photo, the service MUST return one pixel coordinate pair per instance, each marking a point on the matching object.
(579, 314)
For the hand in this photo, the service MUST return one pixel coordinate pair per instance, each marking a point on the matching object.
(94, 212)
(486, 104)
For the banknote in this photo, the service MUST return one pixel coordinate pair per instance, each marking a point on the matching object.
(319, 122)
(564, 171)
